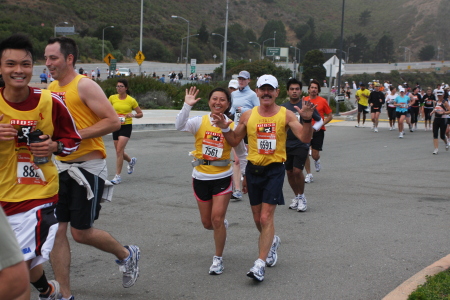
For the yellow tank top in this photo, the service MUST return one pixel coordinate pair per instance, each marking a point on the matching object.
(266, 138)
(19, 180)
(81, 114)
(210, 144)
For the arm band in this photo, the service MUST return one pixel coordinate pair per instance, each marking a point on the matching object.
(226, 129)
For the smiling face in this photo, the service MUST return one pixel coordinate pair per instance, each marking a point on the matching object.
(218, 102)
(16, 68)
(56, 64)
(267, 94)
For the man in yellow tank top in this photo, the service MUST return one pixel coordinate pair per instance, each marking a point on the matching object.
(266, 127)
(94, 117)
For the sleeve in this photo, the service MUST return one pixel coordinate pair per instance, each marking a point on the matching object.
(134, 103)
(110, 99)
(183, 123)
(65, 130)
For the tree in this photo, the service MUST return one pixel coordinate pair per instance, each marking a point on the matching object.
(268, 32)
(427, 52)
(313, 66)
(384, 50)
(203, 34)
(364, 17)
(309, 40)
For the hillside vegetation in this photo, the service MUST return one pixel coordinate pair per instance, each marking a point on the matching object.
(380, 28)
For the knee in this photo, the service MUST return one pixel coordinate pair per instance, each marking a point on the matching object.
(80, 236)
(207, 224)
(217, 221)
(265, 220)
(296, 172)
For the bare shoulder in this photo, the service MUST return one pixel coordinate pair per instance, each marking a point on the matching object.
(89, 90)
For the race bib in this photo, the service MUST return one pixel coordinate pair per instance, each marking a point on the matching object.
(122, 119)
(212, 145)
(28, 172)
(266, 138)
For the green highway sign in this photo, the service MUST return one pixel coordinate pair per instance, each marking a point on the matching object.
(273, 51)
(192, 69)
(113, 65)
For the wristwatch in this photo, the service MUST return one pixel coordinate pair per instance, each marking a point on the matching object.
(60, 148)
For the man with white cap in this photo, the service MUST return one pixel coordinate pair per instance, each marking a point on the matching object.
(242, 100)
(266, 127)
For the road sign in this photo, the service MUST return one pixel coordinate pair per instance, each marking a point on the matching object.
(139, 57)
(273, 51)
(193, 62)
(340, 97)
(108, 58)
(328, 50)
(193, 69)
(438, 69)
(113, 66)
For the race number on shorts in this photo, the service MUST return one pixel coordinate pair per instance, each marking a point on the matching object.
(266, 138)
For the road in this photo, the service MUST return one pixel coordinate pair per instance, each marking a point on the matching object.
(165, 68)
(378, 213)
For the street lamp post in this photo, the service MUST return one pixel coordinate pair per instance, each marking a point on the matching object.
(298, 60)
(348, 51)
(187, 42)
(103, 41)
(260, 49)
(57, 25)
(264, 42)
(222, 42)
(406, 48)
(181, 52)
(340, 56)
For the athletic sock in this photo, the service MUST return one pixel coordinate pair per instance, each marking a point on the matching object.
(42, 285)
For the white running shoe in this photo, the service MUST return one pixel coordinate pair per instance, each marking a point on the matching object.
(55, 291)
(446, 147)
(375, 129)
(435, 151)
(129, 267)
(301, 207)
(400, 136)
(217, 266)
(258, 270)
(237, 195)
(357, 125)
(131, 165)
(117, 179)
(273, 256)
(225, 222)
(317, 165)
(309, 178)
(391, 128)
(294, 203)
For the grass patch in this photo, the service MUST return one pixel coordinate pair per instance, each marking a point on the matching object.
(436, 287)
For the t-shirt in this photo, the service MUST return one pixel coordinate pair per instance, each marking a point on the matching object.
(322, 107)
(428, 101)
(123, 107)
(390, 100)
(404, 101)
(363, 97)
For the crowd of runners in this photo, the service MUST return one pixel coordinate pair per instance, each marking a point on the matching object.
(406, 105)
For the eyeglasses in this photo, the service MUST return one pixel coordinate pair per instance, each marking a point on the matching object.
(120, 86)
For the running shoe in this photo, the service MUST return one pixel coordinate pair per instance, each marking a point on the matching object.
(54, 285)
(357, 125)
(375, 129)
(391, 128)
(273, 256)
(301, 207)
(309, 178)
(129, 267)
(294, 203)
(131, 165)
(117, 179)
(258, 270)
(400, 136)
(435, 151)
(237, 195)
(446, 147)
(317, 165)
(225, 222)
(217, 266)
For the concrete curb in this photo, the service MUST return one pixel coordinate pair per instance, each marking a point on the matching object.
(406, 288)
(158, 126)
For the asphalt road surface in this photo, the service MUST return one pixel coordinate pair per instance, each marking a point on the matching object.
(377, 214)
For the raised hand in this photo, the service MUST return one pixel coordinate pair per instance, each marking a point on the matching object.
(191, 95)
(307, 109)
(220, 121)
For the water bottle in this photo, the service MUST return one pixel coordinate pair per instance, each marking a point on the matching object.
(33, 137)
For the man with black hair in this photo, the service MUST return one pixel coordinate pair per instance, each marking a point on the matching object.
(296, 150)
(362, 101)
(28, 178)
(83, 174)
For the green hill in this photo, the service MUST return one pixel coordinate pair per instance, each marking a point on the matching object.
(408, 23)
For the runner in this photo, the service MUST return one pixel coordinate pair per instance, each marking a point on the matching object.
(124, 105)
(401, 104)
(212, 173)
(82, 175)
(376, 101)
(390, 103)
(362, 96)
(440, 111)
(429, 101)
(34, 123)
(266, 127)
(416, 99)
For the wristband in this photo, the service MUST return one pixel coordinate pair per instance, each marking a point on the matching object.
(307, 121)
(226, 129)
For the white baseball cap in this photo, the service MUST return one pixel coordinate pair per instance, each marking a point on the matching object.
(267, 79)
(233, 84)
